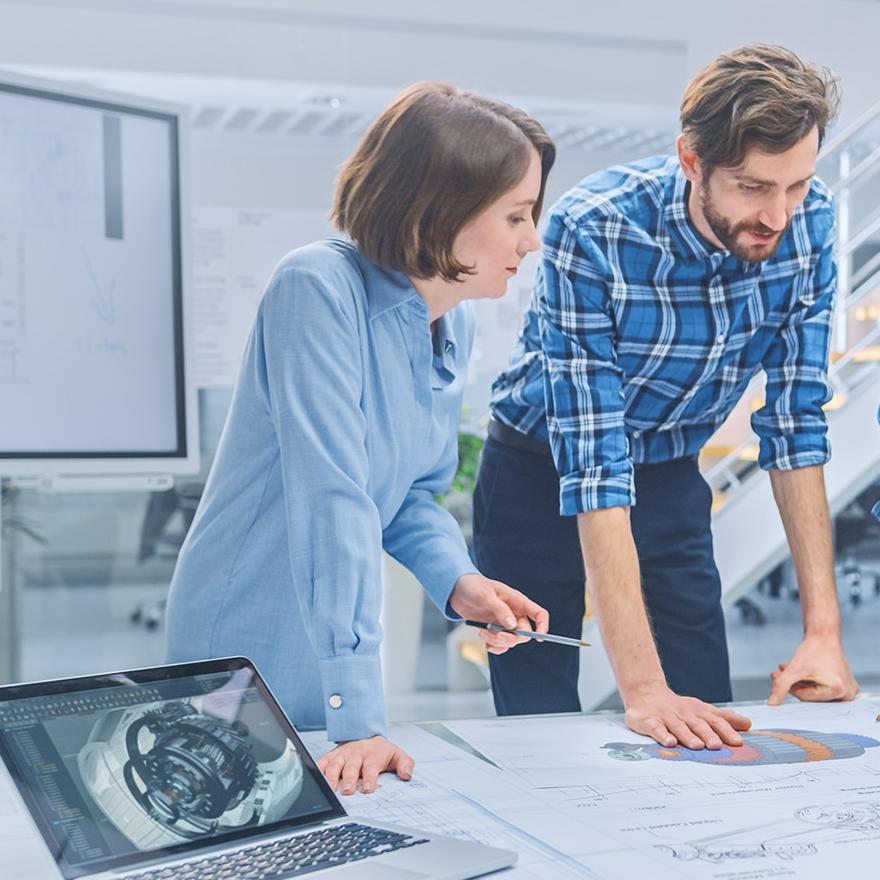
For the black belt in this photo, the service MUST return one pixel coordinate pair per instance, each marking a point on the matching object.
(516, 439)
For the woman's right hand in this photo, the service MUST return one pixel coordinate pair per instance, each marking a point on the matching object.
(475, 597)
(362, 760)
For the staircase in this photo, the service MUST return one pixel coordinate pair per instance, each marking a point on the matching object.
(748, 533)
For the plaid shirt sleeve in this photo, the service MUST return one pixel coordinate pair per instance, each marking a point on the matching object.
(583, 387)
(791, 425)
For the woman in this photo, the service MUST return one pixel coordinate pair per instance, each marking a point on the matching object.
(343, 425)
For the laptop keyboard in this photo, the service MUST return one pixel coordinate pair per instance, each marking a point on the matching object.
(288, 857)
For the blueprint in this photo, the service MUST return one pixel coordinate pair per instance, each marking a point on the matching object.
(800, 798)
(583, 798)
(455, 793)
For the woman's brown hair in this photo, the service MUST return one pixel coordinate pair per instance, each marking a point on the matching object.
(434, 159)
(756, 96)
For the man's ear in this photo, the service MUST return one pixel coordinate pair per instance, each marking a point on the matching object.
(690, 163)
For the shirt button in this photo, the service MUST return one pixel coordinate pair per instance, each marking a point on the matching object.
(335, 701)
(719, 338)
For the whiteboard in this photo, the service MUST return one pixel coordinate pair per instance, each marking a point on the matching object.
(93, 372)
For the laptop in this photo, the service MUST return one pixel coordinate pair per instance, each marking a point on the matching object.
(190, 772)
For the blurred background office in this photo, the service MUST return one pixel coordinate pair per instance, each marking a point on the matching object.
(277, 93)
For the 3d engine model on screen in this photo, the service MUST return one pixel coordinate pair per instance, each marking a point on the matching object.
(172, 773)
(196, 769)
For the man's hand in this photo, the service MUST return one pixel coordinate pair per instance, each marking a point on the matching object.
(477, 598)
(363, 760)
(818, 672)
(672, 720)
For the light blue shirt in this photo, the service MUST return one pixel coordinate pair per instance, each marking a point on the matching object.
(342, 429)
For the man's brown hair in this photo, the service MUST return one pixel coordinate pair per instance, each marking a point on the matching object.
(755, 96)
(432, 161)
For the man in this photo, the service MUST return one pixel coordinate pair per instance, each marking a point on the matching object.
(665, 285)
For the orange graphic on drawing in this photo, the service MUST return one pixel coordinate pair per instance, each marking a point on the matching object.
(759, 747)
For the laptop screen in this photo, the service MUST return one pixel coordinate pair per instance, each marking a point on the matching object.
(117, 769)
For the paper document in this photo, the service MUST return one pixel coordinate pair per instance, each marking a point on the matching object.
(801, 797)
(457, 794)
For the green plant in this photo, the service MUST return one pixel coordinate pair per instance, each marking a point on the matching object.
(469, 448)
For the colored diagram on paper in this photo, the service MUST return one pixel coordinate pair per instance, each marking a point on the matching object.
(760, 747)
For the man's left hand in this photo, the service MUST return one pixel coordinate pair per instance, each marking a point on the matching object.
(818, 672)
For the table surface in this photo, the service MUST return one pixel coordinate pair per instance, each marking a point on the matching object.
(580, 796)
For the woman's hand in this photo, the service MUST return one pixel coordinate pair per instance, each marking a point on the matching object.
(363, 760)
(478, 598)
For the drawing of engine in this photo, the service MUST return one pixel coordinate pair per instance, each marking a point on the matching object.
(724, 852)
(168, 773)
(847, 817)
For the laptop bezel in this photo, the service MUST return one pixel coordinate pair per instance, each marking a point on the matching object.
(150, 675)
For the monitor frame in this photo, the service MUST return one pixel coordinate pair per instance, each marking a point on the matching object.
(185, 459)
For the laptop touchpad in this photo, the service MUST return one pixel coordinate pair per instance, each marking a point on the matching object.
(383, 872)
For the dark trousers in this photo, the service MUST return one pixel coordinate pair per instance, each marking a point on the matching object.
(520, 539)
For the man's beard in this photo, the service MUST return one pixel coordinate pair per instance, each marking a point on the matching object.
(728, 234)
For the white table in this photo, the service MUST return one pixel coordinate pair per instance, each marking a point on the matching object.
(549, 788)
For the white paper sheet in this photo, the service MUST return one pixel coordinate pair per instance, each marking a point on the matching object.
(571, 810)
(447, 795)
(454, 793)
(802, 801)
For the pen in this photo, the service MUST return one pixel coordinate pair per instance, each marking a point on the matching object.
(529, 634)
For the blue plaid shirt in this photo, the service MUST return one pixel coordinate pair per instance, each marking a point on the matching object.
(640, 337)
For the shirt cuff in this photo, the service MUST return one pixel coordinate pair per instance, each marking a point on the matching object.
(354, 702)
(789, 453)
(579, 493)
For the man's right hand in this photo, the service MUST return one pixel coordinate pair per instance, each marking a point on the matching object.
(672, 720)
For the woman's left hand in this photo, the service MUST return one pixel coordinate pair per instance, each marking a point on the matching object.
(359, 762)
(478, 598)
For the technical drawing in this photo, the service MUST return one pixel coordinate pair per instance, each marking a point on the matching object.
(830, 818)
(850, 817)
(724, 852)
(760, 747)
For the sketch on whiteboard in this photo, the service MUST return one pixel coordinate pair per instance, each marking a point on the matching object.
(103, 294)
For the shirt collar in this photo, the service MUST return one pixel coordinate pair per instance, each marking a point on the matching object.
(385, 288)
(688, 242)
(444, 344)
(682, 232)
